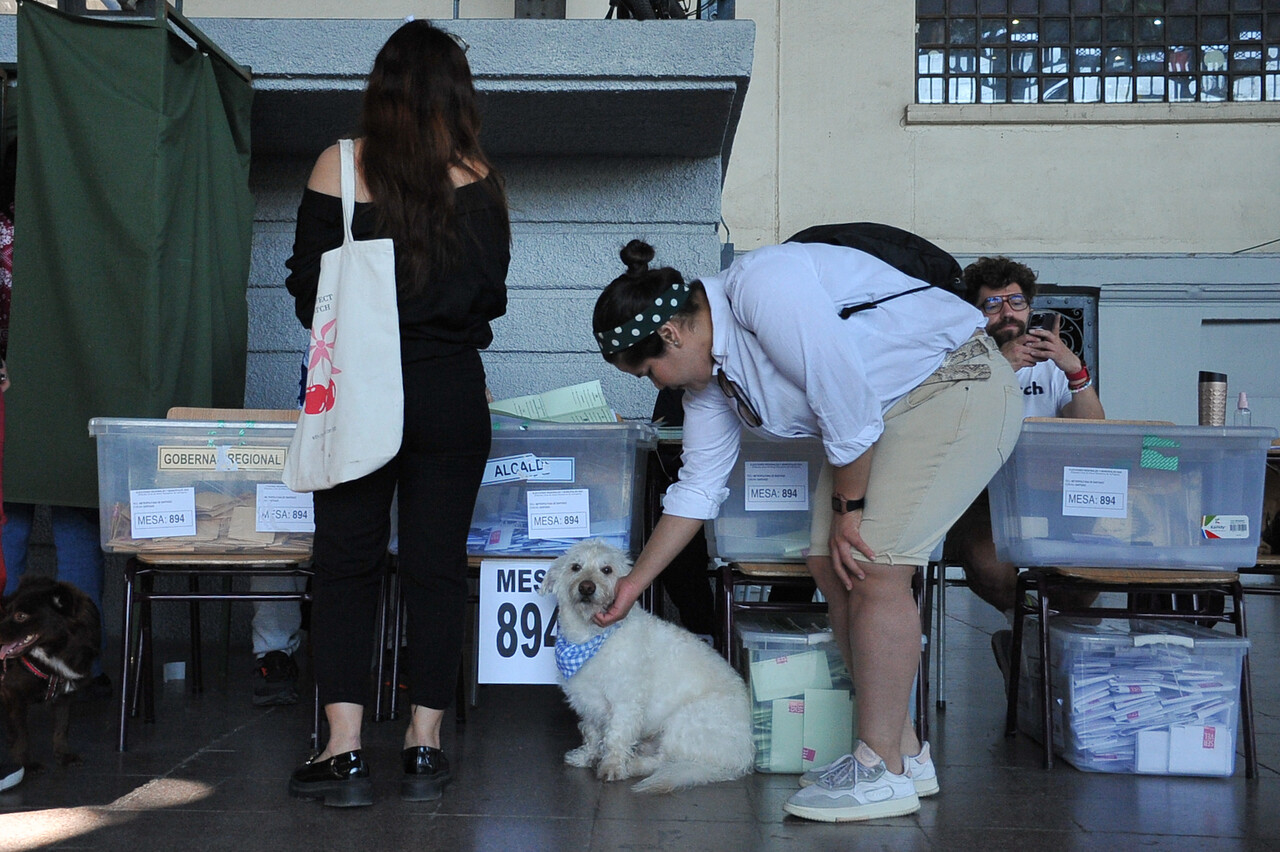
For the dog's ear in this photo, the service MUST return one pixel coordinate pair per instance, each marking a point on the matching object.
(548, 584)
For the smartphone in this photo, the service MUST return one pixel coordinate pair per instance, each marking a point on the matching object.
(1048, 320)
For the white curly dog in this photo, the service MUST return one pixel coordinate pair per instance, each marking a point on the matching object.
(653, 699)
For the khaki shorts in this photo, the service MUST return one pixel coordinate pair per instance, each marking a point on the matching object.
(941, 444)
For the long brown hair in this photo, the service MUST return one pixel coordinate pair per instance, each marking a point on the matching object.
(419, 119)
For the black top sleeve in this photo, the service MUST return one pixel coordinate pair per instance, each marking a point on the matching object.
(452, 312)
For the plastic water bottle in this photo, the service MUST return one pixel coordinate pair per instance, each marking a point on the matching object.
(1244, 417)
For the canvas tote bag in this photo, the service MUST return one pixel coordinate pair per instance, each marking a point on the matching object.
(353, 414)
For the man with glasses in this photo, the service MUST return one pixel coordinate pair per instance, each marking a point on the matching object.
(1055, 382)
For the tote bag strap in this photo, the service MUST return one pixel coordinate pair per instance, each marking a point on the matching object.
(346, 148)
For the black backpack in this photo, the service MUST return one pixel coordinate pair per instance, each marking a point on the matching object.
(910, 253)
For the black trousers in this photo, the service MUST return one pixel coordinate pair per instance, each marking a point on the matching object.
(438, 470)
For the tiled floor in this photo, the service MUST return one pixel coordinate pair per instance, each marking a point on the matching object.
(211, 774)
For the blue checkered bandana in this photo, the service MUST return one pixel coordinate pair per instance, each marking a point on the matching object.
(571, 657)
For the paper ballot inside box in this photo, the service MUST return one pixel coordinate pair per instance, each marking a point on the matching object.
(790, 675)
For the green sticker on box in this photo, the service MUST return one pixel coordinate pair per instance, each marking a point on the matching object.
(1153, 459)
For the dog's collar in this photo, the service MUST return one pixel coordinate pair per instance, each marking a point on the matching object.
(570, 656)
(55, 680)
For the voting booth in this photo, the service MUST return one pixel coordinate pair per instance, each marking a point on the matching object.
(766, 517)
(1142, 696)
(801, 693)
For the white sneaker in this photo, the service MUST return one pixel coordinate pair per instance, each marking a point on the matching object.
(922, 772)
(852, 791)
(920, 768)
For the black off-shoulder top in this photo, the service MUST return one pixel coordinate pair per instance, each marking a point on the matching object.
(451, 313)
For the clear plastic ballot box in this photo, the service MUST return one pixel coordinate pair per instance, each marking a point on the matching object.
(1131, 494)
(548, 485)
(801, 703)
(1141, 696)
(185, 486)
(766, 516)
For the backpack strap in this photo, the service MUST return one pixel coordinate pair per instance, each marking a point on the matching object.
(849, 311)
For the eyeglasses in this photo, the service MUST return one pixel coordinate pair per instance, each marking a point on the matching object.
(730, 389)
(991, 304)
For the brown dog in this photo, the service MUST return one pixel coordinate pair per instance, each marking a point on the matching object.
(50, 633)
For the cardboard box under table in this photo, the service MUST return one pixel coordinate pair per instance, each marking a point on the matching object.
(766, 516)
(1114, 494)
(549, 485)
(1155, 697)
(177, 486)
(801, 693)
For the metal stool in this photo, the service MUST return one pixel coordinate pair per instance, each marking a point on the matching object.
(137, 675)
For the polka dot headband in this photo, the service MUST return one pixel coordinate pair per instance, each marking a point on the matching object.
(642, 325)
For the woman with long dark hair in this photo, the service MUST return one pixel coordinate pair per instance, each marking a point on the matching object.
(422, 180)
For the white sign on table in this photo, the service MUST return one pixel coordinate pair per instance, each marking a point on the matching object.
(162, 512)
(282, 510)
(776, 486)
(1095, 492)
(517, 628)
(559, 514)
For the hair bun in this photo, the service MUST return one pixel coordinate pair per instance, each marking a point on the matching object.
(636, 256)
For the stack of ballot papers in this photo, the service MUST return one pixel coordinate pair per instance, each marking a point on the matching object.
(802, 696)
(581, 403)
(1151, 701)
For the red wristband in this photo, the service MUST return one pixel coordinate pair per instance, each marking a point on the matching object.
(1079, 375)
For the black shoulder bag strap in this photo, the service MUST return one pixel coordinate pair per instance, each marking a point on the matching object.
(845, 313)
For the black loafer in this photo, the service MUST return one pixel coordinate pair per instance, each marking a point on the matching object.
(342, 781)
(426, 770)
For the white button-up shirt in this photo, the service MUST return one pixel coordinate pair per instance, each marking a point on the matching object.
(778, 335)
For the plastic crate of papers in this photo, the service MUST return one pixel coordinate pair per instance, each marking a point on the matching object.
(766, 516)
(801, 693)
(1129, 494)
(549, 485)
(1141, 696)
(180, 486)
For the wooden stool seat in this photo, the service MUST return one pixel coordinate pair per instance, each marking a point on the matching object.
(759, 570)
(1153, 576)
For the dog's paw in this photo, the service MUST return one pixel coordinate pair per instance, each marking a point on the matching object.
(613, 769)
(68, 758)
(582, 757)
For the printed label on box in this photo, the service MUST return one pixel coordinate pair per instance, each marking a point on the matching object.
(776, 486)
(282, 510)
(162, 512)
(528, 467)
(1095, 492)
(220, 458)
(560, 514)
(1224, 526)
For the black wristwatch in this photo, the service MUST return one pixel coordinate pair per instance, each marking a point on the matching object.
(841, 506)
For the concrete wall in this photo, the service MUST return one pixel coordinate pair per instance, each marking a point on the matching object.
(604, 131)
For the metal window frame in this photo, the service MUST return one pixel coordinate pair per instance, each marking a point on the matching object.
(948, 82)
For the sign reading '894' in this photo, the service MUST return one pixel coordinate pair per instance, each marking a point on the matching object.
(517, 628)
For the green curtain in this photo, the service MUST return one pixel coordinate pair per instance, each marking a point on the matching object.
(132, 230)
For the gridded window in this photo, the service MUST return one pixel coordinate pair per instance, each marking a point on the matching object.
(1096, 51)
